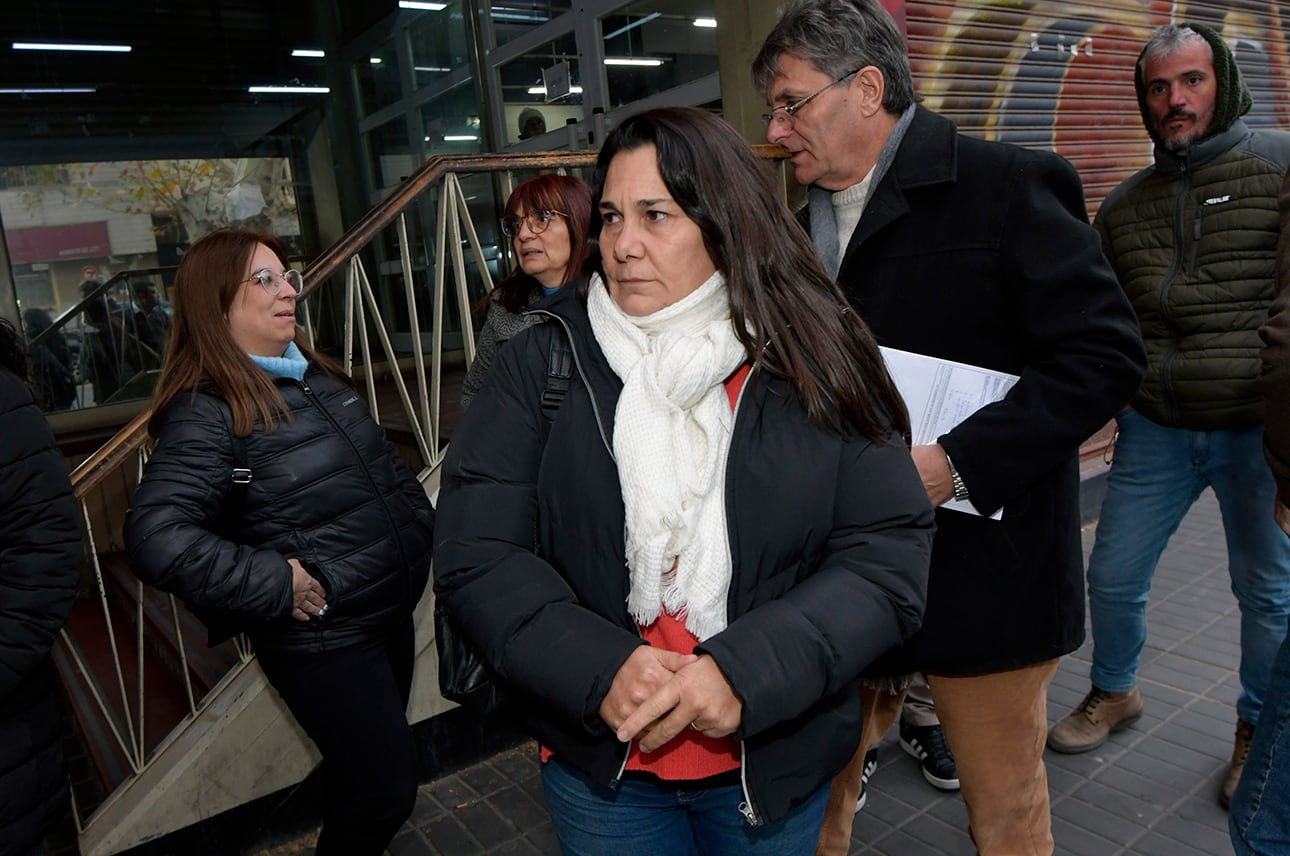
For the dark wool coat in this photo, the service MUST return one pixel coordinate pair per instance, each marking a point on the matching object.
(1276, 361)
(982, 253)
(829, 540)
(40, 563)
(327, 488)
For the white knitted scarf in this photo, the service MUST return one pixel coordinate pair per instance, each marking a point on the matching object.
(671, 437)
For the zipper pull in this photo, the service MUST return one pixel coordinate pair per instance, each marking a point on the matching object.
(746, 810)
(308, 391)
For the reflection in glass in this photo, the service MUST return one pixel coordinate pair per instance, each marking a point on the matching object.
(391, 154)
(514, 18)
(440, 44)
(528, 108)
(652, 46)
(378, 79)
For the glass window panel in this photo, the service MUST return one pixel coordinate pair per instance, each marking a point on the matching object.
(451, 123)
(514, 18)
(654, 45)
(440, 43)
(524, 93)
(378, 78)
(392, 156)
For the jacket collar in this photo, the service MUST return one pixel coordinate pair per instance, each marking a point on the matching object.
(927, 155)
(1200, 153)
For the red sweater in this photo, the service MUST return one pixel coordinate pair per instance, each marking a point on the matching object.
(689, 755)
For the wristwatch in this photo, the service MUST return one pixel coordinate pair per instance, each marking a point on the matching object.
(960, 489)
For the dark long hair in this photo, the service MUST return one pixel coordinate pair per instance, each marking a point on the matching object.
(551, 192)
(201, 347)
(788, 313)
(13, 355)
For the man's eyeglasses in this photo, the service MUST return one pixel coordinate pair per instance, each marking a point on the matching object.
(783, 116)
(537, 220)
(272, 282)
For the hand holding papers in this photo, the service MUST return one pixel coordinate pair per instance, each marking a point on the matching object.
(942, 393)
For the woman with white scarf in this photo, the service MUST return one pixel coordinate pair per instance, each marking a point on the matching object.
(680, 575)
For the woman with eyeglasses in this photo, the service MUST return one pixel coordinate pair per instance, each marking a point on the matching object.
(548, 220)
(273, 505)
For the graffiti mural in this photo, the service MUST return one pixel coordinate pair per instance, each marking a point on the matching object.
(1059, 75)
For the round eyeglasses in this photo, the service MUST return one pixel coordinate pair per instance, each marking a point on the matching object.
(537, 220)
(272, 282)
(782, 116)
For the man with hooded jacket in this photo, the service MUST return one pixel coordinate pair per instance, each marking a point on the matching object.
(1193, 240)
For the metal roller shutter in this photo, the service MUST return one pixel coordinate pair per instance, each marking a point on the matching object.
(1059, 76)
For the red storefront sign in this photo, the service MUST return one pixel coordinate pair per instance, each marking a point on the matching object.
(58, 243)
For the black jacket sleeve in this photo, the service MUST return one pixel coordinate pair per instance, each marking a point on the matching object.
(1085, 353)
(1276, 361)
(508, 601)
(40, 536)
(170, 529)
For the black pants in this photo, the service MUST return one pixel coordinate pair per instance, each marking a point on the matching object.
(352, 702)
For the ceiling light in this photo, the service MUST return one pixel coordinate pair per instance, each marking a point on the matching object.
(425, 7)
(633, 25)
(460, 138)
(55, 46)
(504, 14)
(541, 90)
(627, 60)
(309, 52)
(431, 68)
(66, 91)
(306, 90)
(376, 60)
(707, 23)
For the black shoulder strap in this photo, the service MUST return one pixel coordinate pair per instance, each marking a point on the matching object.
(241, 479)
(559, 368)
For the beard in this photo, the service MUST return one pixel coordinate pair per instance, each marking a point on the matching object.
(1180, 142)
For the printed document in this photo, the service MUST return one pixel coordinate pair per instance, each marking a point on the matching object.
(942, 393)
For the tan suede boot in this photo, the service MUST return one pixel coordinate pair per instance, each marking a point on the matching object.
(1240, 751)
(1099, 714)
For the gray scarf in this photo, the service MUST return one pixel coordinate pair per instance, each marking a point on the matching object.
(824, 229)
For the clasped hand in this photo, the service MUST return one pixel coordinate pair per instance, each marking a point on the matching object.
(656, 694)
(308, 598)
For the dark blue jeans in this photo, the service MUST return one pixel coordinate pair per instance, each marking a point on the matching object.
(1156, 475)
(1260, 815)
(352, 702)
(643, 818)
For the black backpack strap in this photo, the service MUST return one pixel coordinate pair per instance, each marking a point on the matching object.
(241, 478)
(559, 368)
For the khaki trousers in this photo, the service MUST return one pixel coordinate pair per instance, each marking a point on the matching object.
(996, 726)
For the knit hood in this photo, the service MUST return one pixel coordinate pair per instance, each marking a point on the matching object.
(1233, 99)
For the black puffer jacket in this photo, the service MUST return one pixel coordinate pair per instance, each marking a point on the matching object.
(327, 488)
(40, 562)
(829, 538)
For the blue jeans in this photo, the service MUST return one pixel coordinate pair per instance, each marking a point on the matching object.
(1156, 475)
(640, 818)
(1260, 817)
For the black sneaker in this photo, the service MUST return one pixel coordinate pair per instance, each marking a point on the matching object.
(928, 745)
(870, 765)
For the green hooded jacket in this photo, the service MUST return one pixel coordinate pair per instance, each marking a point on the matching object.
(1193, 241)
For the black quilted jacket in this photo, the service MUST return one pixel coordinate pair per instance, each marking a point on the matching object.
(326, 488)
(40, 562)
